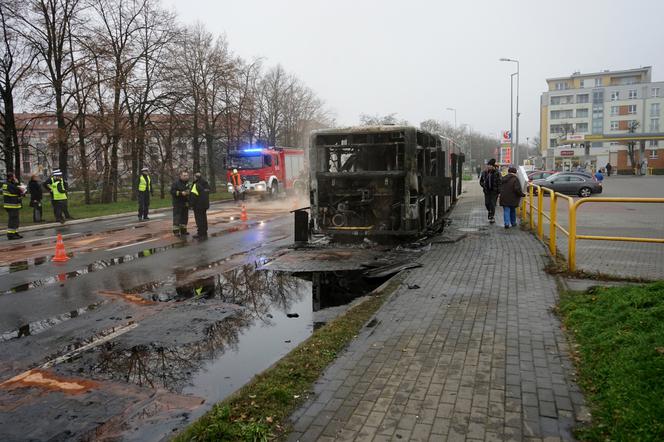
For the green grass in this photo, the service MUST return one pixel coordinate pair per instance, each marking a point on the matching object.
(259, 411)
(78, 209)
(619, 334)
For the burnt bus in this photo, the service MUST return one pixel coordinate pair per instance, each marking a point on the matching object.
(382, 181)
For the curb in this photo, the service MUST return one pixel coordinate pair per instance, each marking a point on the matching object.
(35, 227)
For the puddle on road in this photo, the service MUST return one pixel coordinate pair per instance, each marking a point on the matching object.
(212, 356)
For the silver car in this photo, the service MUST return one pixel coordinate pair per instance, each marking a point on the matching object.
(571, 183)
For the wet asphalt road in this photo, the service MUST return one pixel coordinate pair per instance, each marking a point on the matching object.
(102, 270)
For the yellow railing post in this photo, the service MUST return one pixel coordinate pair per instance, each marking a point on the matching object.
(571, 247)
(540, 203)
(530, 209)
(552, 225)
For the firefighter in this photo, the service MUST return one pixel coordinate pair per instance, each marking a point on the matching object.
(236, 181)
(145, 190)
(180, 194)
(11, 195)
(200, 203)
(56, 185)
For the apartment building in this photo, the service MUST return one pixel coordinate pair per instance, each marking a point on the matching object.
(589, 119)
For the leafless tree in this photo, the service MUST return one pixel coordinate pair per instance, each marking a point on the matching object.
(46, 26)
(117, 36)
(16, 63)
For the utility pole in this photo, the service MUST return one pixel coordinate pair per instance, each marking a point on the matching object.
(518, 78)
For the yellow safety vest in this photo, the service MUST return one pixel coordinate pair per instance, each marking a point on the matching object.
(57, 195)
(194, 190)
(144, 184)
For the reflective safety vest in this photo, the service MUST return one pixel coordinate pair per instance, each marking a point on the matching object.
(236, 179)
(144, 183)
(55, 191)
(10, 196)
(194, 189)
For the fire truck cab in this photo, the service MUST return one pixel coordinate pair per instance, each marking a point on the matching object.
(268, 170)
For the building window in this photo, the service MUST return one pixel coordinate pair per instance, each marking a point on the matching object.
(654, 125)
(653, 143)
(582, 98)
(615, 96)
(631, 94)
(615, 110)
(553, 142)
(615, 125)
(598, 82)
(631, 109)
(655, 92)
(582, 127)
(561, 85)
(653, 154)
(654, 109)
(581, 84)
(582, 113)
(561, 114)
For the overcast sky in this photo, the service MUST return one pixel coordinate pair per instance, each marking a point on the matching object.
(417, 58)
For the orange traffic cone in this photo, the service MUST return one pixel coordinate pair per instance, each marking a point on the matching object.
(60, 254)
(243, 214)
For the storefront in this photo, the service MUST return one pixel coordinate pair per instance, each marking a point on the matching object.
(571, 157)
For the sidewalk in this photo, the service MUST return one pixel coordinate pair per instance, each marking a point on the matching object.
(474, 354)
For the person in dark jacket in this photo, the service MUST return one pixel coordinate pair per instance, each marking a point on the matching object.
(180, 195)
(199, 199)
(36, 195)
(11, 196)
(510, 197)
(490, 182)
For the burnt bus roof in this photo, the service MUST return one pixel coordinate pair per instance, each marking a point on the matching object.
(385, 128)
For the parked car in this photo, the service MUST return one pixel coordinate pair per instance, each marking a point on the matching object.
(571, 183)
(540, 174)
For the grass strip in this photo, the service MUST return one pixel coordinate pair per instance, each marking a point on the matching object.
(259, 411)
(619, 334)
(80, 210)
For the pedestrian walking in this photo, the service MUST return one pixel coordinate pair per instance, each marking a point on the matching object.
(145, 191)
(510, 197)
(478, 170)
(598, 175)
(36, 195)
(11, 196)
(608, 169)
(199, 200)
(490, 182)
(180, 194)
(56, 185)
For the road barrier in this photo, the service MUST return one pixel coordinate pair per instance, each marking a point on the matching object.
(533, 215)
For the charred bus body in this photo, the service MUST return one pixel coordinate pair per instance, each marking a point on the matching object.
(381, 181)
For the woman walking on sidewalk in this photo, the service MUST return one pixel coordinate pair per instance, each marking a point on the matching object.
(490, 182)
(510, 197)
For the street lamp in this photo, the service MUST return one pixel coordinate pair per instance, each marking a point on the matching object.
(518, 77)
(453, 110)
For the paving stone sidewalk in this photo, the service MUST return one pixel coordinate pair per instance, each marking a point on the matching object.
(474, 354)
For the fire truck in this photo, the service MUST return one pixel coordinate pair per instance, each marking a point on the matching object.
(268, 170)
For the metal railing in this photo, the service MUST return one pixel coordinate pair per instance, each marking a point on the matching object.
(535, 214)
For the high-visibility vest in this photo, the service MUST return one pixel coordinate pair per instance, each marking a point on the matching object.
(194, 189)
(236, 179)
(57, 195)
(144, 184)
(10, 200)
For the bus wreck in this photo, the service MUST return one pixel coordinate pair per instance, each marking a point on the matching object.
(381, 181)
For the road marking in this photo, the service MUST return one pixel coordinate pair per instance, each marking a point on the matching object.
(133, 244)
(50, 237)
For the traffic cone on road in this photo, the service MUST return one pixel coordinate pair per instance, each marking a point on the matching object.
(60, 254)
(243, 214)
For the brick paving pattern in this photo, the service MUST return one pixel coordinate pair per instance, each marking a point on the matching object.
(474, 354)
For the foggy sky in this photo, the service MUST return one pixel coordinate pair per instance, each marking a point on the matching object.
(417, 58)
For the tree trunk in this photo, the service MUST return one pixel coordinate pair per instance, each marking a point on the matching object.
(196, 145)
(84, 158)
(8, 135)
(209, 142)
(61, 137)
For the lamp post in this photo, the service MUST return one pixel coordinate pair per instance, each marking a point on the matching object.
(453, 110)
(518, 77)
(469, 147)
